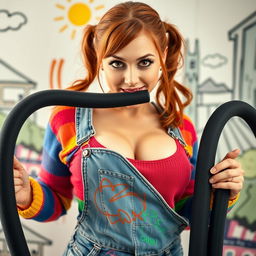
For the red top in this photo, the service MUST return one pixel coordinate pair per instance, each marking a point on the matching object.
(170, 176)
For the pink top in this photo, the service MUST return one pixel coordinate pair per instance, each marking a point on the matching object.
(170, 176)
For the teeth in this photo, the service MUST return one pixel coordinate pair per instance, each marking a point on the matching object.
(134, 90)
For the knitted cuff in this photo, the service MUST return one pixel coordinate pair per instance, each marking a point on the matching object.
(231, 202)
(37, 202)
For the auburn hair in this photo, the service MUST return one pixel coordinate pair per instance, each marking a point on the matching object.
(116, 29)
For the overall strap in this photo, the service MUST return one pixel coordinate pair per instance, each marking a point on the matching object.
(84, 128)
(174, 132)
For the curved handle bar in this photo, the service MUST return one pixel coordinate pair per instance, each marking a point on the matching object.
(202, 239)
(9, 217)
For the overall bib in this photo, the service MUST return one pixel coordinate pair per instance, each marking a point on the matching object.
(123, 214)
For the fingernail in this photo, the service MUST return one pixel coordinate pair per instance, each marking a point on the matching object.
(211, 180)
(213, 170)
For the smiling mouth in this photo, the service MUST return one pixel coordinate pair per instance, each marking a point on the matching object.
(134, 89)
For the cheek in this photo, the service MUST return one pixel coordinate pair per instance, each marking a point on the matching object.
(113, 79)
(151, 77)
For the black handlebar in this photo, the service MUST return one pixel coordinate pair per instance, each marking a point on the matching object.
(206, 238)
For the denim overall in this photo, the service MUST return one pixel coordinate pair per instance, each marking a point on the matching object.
(123, 213)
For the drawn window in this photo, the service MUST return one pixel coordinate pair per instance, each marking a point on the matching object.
(247, 254)
(230, 253)
(13, 95)
(192, 64)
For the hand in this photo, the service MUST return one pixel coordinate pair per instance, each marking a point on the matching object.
(228, 174)
(23, 191)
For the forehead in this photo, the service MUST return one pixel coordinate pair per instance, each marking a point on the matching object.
(141, 45)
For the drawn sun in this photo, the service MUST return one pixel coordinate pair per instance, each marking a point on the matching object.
(77, 14)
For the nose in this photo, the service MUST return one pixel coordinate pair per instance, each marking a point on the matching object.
(131, 76)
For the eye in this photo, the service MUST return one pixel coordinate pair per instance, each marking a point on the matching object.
(117, 64)
(145, 63)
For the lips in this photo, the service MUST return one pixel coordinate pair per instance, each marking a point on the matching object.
(134, 89)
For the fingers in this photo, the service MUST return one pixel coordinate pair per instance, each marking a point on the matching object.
(17, 164)
(227, 163)
(18, 180)
(18, 169)
(228, 174)
(18, 188)
(232, 154)
(17, 173)
(234, 175)
(226, 178)
(21, 185)
(225, 181)
(233, 186)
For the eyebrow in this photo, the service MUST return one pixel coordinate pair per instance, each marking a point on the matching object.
(142, 57)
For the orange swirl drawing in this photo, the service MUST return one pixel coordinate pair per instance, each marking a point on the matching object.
(53, 73)
(118, 217)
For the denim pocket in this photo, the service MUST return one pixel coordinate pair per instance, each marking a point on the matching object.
(114, 197)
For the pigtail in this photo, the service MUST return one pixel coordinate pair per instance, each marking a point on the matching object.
(174, 105)
(90, 60)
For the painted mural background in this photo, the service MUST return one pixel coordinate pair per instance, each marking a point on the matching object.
(40, 49)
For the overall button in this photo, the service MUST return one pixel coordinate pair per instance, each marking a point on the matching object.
(86, 153)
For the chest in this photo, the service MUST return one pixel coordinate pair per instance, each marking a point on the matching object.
(134, 138)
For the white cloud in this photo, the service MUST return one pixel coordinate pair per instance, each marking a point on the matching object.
(11, 21)
(214, 60)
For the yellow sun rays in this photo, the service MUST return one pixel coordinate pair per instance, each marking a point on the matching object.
(77, 14)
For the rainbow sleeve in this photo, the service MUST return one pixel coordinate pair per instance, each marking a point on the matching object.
(183, 206)
(52, 190)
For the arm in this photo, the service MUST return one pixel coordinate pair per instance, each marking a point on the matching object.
(184, 205)
(52, 190)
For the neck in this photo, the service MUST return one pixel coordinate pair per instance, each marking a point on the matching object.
(134, 110)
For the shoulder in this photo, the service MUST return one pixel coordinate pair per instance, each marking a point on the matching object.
(188, 130)
(62, 114)
(62, 117)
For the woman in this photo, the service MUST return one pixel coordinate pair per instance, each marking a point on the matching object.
(130, 168)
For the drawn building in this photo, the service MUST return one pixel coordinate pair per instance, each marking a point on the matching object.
(29, 145)
(14, 86)
(35, 241)
(191, 77)
(30, 158)
(209, 96)
(243, 36)
(239, 238)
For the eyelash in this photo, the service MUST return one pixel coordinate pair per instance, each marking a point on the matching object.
(123, 64)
